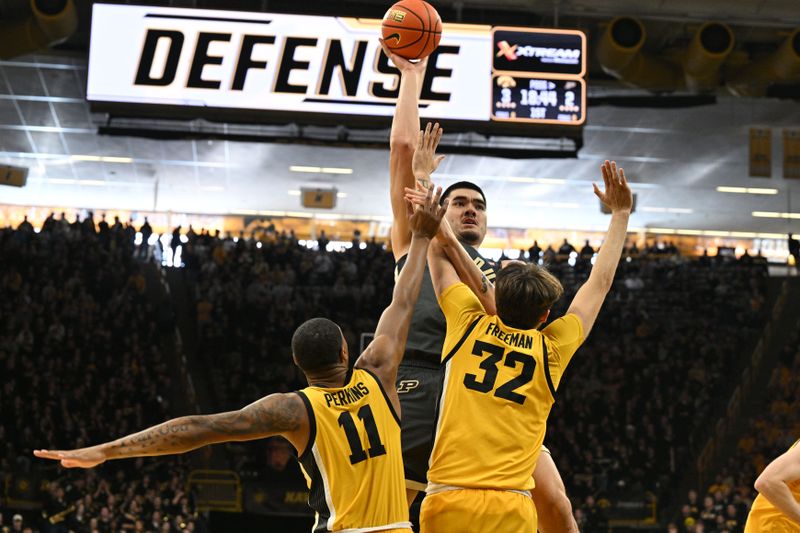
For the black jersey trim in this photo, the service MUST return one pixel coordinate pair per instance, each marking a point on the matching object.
(385, 396)
(312, 426)
(547, 369)
(463, 338)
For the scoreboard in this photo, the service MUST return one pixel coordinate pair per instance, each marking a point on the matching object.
(269, 67)
(538, 78)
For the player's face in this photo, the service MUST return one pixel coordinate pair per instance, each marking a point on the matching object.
(467, 215)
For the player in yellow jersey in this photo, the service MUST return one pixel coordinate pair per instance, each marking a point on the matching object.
(345, 423)
(777, 507)
(501, 376)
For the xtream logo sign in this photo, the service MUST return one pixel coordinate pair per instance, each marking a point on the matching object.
(275, 62)
(561, 56)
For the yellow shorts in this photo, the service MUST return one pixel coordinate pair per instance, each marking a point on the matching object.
(477, 511)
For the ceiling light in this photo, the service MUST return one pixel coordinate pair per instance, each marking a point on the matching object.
(293, 192)
(744, 234)
(747, 190)
(775, 214)
(320, 170)
(94, 183)
(771, 235)
(341, 195)
(712, 233)
(689, 232)
(244, 212)
(667, 231)
(104, 159)
(336, 170)
(61, 181)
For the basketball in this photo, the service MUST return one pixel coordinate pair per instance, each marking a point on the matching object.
(412, 29)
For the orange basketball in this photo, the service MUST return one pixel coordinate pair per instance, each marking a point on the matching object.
(412, 29)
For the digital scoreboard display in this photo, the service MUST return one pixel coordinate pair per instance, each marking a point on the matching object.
(282, 68)
(531, 99)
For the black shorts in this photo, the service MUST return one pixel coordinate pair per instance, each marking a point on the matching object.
(419, 386)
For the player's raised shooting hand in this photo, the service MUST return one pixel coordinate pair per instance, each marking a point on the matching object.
(426, 218)
(81, 458)
(425, 161)
(404, 65)
(617, 195)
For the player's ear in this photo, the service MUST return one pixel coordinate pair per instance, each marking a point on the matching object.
(544, 317)
(344, 356)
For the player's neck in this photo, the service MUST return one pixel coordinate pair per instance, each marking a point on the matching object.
(328, 378)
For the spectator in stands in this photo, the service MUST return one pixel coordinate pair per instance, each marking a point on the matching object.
(322, 242)
(534, 252)
(565, 249)
(549, 255)
(25, 226)
(587, 252)
(794, 251)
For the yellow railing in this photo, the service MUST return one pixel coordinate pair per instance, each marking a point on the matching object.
(216, 490)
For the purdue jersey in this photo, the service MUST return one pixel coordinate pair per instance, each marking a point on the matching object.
(426, 333)
(765, 517)
(353, 462)
(499, 386)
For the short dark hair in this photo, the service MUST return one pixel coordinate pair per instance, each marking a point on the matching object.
(461, 185)
(316, 344)
(523, 292)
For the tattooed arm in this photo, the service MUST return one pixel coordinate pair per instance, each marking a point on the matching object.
(465, 267)
(276, 414)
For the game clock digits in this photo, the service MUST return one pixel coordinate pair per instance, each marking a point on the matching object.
(532, 99)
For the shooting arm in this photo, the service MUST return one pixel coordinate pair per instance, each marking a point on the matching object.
(405, 128)
(773, 483)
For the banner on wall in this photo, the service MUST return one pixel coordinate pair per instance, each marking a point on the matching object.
(761, 152)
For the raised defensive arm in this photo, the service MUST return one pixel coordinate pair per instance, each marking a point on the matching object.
(617, 196)
(276, 414)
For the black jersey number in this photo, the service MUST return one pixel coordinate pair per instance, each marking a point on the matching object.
(489, 366)
(357, 453)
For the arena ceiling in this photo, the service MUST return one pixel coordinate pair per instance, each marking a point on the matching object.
(676, 157)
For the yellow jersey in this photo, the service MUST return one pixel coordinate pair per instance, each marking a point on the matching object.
(765, 517)
(499, 386)
(353, 463)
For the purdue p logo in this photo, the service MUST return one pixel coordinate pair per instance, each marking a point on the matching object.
(407, 385)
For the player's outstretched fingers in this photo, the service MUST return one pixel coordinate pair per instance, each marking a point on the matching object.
(598, 192)
(443, 208)
(437, 196)
(622, 179)
(605, 169)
